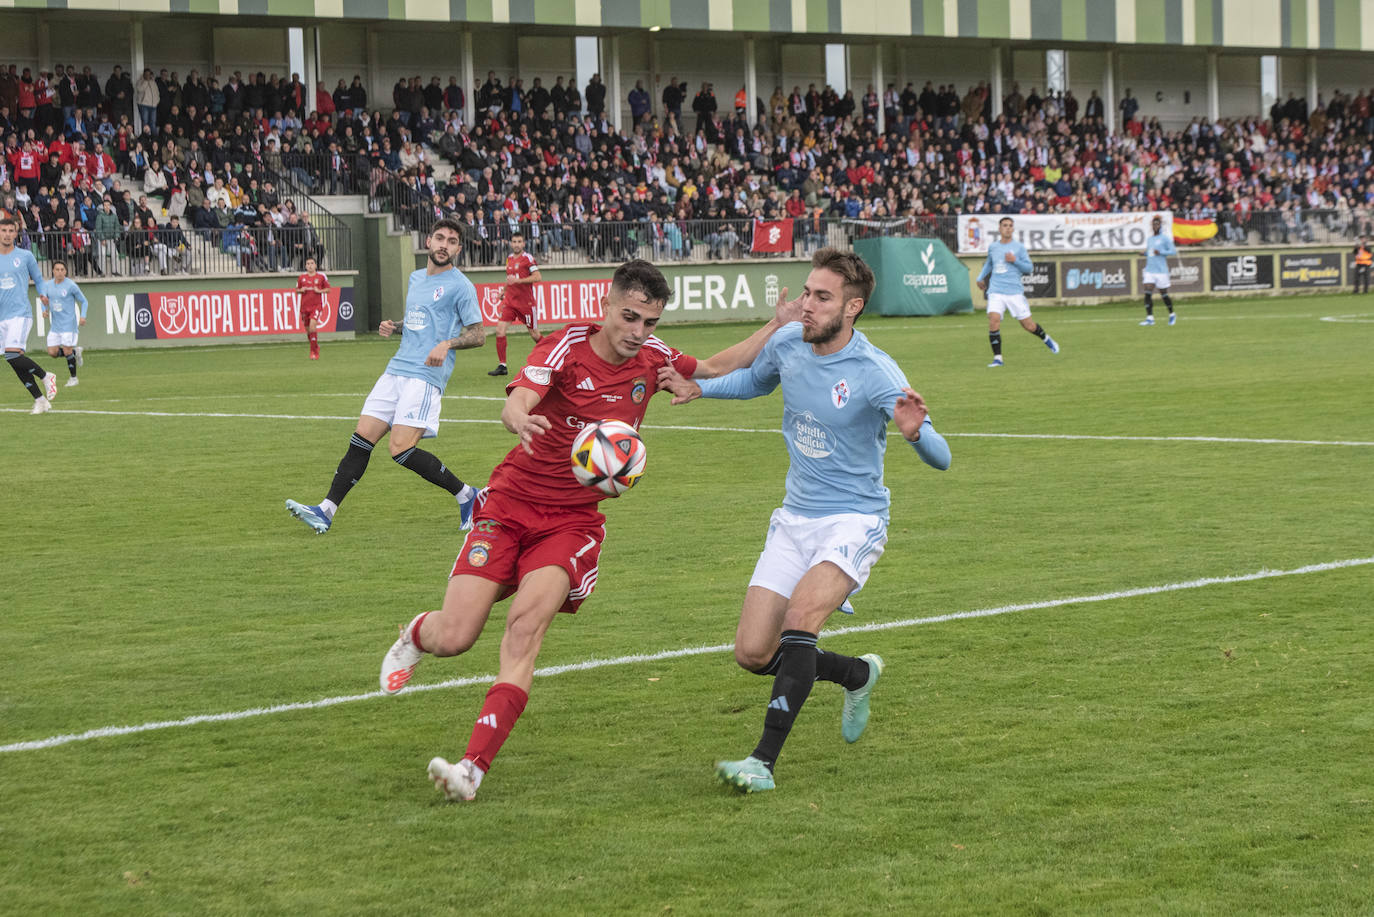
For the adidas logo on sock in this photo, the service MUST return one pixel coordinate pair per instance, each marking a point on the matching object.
(779, 703)
(488, 720)
(587, 385)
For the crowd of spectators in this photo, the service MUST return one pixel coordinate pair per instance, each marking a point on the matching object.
(685, 172)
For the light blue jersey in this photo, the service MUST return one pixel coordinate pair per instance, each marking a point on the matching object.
(1157, 251)
(1006, 276)
(16, 270)
(438, 307)
(63, 301)
(835, 411)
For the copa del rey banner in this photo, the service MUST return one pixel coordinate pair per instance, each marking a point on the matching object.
(234, 313)
(773, 236)
(1063, 232)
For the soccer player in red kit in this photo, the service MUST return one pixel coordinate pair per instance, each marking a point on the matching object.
(537, 532)
(312, 286)
(517, 299)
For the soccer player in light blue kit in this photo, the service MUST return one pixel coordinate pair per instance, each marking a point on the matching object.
(1000, 278)
(17, 267)
(838, 394)
(1158, 250)
(441, 316)
(66, 310)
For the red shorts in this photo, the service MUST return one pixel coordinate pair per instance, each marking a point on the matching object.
(512, 312)
(308, 313)
(511, 538)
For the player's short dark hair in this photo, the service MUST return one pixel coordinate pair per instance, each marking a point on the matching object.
(517, 233)
(57, 261)
(9, 221)
(639, 276)
(450, 224)
(1006, 220)
(858, 276)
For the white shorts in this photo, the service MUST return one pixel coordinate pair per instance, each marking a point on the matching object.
(851, 541)
(1161, 281)
(62, 338)
(1015, 303)
(402, 401)
(15, 332)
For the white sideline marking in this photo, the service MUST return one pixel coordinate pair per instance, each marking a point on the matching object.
(698, 429)
(110, 731)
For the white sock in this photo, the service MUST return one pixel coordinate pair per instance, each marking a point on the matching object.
(477, 773)
(465, 494)
(328, 508)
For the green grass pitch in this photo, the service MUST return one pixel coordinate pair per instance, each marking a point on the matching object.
(1197, 750)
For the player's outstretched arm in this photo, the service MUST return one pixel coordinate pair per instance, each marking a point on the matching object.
(913, 420)
(743, 353)
(518, 419)
(683, 389)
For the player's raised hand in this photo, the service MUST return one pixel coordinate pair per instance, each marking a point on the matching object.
(1011, 257)
(683, 389)
(786, 311)
(909, 413)
(386, 327)
(531, 426)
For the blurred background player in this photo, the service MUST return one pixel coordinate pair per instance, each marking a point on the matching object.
(65, 310)
(312, 285)
(18, 266)
(1005, 291)
(838, 394)
(537, 533)
(441, 316)
(517, 299)
(1158, 249)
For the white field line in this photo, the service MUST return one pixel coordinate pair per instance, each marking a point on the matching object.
(631, 659)
(700, 429)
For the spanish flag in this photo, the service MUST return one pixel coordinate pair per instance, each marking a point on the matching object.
(1191, 232)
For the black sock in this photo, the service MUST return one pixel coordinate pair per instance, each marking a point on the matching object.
(849, 672)
(23, 368)
(1149, 305)
(1168, 302)
(428, 466)
(1038, 331)
(995, 339)
(351, 468)
(71, 363)
(791, 686)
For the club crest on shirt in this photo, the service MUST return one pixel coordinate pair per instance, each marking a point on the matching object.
(479, 553)
(839, 394)
(637, 390)
(438, 293)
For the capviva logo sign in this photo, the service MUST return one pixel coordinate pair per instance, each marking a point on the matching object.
(928, 280)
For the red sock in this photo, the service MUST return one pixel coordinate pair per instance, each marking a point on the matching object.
(314, 340)
(500, 348)
(415, 631)
(500, 710)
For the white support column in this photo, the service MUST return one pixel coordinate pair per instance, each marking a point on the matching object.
(311, 39)
(1312, 88)
(751, 79)
(997, 89)
(1213, 88)
(465, 77)
(136, 60)
(43, 39)
(614, 99)
(655, 78)
(1109, 111)
(879, 86)
(375, 93)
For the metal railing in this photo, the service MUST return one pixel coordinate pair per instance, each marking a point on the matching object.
(234, 249)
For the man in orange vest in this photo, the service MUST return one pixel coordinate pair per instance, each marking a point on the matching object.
(742, 103)
(1363, 259)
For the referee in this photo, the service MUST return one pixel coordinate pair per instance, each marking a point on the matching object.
(1363, 259)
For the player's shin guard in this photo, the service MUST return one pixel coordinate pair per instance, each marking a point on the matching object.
(995, 339)
(28, 372)
(502, 707)
(1038, 331)
(428, 466)
(500, 348)
(791, 687)
(1168, 302)
(1150, 303)
(71, 363)
(850, 672)
(351, 468)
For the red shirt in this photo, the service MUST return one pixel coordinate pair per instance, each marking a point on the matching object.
(518, 267)
(314, 284)
(577, 387)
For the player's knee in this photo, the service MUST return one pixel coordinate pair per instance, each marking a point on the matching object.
(448, 635)
(52, 351)
(751, 658)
